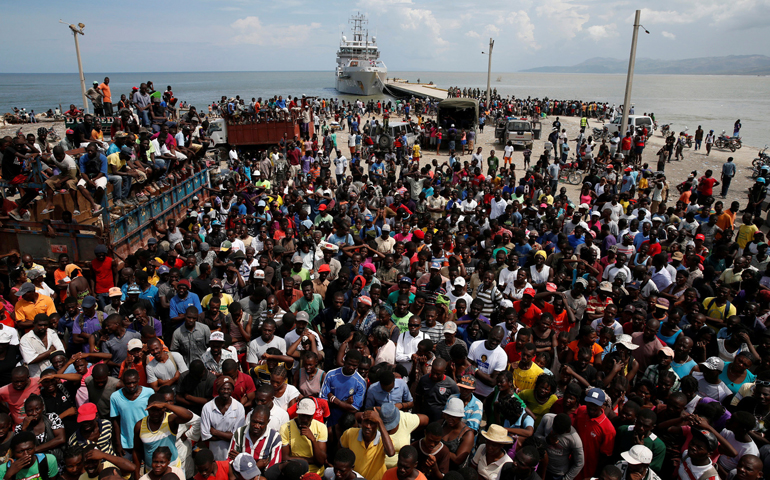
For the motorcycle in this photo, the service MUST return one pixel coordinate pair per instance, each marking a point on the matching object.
(762, 159)
(665, 130)
(569, 172)
(725, 141)
(601, 134)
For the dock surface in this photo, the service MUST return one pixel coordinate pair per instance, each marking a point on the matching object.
(400, 88)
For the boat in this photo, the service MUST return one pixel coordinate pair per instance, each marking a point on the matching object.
(359, 68)
(499, 79)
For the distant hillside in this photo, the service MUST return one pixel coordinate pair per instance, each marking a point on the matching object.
(730, 65)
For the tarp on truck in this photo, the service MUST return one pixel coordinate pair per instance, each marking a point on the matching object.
(459, 104)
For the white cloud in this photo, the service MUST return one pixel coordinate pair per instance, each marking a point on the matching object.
(405, 17)
(251, 31)
(668, 35)
(670, 17)
(472, 34)
(600, 32)
(525, 29)
(421, 18)
(564, 19)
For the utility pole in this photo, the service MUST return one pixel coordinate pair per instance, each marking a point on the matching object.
(78, 30)
(630, 76)
(489, 70)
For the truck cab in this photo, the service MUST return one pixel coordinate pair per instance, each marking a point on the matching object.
(637, 122)
(217, 132)
(519, 132)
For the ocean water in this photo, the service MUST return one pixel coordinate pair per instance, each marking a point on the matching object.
(715, 102)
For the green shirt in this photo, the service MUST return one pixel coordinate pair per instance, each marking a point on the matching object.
(402, 322)
(32, 472)
(493, 162)
(312, 308)
(624, 440)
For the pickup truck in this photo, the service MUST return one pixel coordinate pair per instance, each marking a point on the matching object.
(519, 132)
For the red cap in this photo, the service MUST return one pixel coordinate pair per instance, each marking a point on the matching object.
(529, 291)
(86, 412)
(324, 268)
(419, 234)
(700, 236)
(184, 282)
(322, 207)
(551, 287)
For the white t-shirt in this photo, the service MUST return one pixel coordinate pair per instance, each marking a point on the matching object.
(233, 155)
(697, 470)
(257, 347)
(160, 150)
(453, 300)
(68, 163)
(340, 163)
(488, 361)
(290, 394)
(508, 151)
(749, 448)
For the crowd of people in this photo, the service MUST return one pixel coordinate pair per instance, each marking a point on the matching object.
(396, 319)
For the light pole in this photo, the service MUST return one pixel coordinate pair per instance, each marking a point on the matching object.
(78, 30)
(630, 76)
(489, 70)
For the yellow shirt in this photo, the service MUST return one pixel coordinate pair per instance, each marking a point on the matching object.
(115, 163)
(301, 446)
(525, 379)
(710, 309)
(406, 425)
(416, 151)
(226, 299)
(370, 461)
(745, 235)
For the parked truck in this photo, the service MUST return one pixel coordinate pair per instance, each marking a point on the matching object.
(224, 133)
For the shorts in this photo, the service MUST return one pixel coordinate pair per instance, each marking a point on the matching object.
(70, 177)
(195, 147)
(451, 144)
(100, 182)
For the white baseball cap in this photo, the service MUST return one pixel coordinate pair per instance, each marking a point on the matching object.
(217, 337)
(638, 455)
(306, 406)
(460, 281)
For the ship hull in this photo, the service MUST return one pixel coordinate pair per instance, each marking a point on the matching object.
(361, 83)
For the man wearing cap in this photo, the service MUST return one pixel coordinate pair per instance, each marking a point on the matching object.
(92, 430)
(640, 433)
(37, 345)
(87, 322)
(635, 464)
(450, 340)
(697, 460)
(30, 304)
(370, 444)
(596, 430)
(599, 301)
(329, 252)
(709, 384)
(304, 438)
(385, 242)
(473, 408)
(216, 354)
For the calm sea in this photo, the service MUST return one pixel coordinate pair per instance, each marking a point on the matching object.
(712, 101)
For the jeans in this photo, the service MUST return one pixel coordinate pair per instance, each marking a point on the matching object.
(726, 185)
(103, 299)
(697, 144)
(144, 116)
(120, 186)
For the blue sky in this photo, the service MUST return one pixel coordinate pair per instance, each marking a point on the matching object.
(414, 35)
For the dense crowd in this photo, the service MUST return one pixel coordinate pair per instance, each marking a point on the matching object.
(384, 317)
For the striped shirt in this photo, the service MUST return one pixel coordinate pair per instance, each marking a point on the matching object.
(103, 443)
(473, 411)
(491, 299)
(267, 447)
(162, 437)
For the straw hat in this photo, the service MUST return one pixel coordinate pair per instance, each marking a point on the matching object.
(496, 433)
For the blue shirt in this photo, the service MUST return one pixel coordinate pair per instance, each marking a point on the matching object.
(473, 411)
(152, 294)
(178, 306)
(84, 161)
(128, 413)
(639, 239)
(575, 241)
(343, 387)
(684, 369)
(376, 396)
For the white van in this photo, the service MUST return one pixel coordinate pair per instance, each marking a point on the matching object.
(385, 139)
(635, 121)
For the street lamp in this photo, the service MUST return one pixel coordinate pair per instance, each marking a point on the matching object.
(489, 69)
(630, 76)
(78, 30)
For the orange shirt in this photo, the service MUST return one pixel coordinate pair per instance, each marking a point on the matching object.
(139, 367)
(596, 349)
(393, 475)
(25, 311)
(59, 275)
(726, 221)
(106, 92)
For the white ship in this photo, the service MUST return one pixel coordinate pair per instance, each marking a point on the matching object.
(359, 68)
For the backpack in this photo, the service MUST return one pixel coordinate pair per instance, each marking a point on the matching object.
(725, 312)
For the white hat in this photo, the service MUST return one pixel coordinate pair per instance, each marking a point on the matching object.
(714, 363)
(256, 173)
(259, 274)
(583, 206)
(217, 337)
(455, 408)
(626, 341)
(638, 455)
(306, 406)
(605, 287)
(449, 327)
(459, 281)
(134, 343)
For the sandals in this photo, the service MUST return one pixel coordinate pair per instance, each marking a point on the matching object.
(94, 211)
(47, 211)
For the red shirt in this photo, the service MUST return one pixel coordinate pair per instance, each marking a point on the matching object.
(529, 317)
(560, 320)
(105, 280)
(284, 302)
(654, 249)
(626, 143)
(598, 435)
(513, 355)
(222, 472)
(706, 185)
(15, 399)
